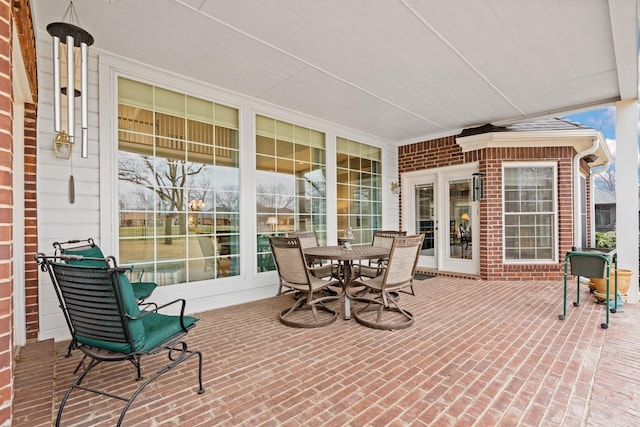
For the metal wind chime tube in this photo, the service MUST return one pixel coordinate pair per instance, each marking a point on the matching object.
(84, 100)
(56, 84)
(73, 37)
(71, 91)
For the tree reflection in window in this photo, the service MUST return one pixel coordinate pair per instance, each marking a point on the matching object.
(290, 183)
(178, 185)
(359, 179)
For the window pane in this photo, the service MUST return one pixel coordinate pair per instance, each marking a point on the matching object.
(359, 188)
(529, 213)
(178, 179)
(290, 183)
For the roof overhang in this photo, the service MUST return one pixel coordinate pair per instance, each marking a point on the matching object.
(401, 71)
(580, 139)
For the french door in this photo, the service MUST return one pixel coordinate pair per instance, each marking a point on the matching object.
(438, 203)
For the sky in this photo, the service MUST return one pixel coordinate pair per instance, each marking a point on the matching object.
(603, 120)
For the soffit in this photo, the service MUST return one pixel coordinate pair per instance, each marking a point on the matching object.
(402, 71)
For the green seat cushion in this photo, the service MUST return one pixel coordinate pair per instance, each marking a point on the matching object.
(146, 332)
(142, 290)
(116, 347)
(160, 327)
(90, 252)
(136, 327)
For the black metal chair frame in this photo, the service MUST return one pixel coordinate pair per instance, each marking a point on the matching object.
(63, 248)
(465, 239)
(94, 306)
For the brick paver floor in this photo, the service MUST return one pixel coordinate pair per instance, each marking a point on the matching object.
(480, 353)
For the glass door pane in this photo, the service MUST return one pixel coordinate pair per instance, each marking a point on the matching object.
(460, 219)
(425, 222)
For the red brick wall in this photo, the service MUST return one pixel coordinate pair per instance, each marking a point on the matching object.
(445, 152)
(491, 213)
(6, 213)
(18, 11)
(30, 222)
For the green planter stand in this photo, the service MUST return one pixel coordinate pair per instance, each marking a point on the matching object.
(591, 262)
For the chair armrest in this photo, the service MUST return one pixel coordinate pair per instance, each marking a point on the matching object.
(322, 271)
(372, 270)
(158, 307)
(131, 269)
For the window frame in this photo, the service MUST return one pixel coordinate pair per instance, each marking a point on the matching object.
(355, 150)
(234, 256)
(100, 173)
(298, 151)
(554, 233)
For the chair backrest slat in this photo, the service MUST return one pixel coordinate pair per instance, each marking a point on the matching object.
(384, 238)
(91, 300)
(290, 260)
(308, 239)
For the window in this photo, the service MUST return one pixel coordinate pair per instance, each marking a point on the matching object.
(178, 185)
(290, 183)
(529, 212)
(603, 217)
(359, 180)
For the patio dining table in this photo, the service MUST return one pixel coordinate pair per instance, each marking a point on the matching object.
(345, 258)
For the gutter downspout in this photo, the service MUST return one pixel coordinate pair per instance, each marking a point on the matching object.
(577, 225)
(592, 177)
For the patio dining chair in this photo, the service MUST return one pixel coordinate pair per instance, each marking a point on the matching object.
(83, 249)
(105, 321)
(309, 239)
(210, 247)
(381, 309)
(296, 275)
(381, 238)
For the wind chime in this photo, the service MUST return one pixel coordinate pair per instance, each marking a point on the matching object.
(70, 49)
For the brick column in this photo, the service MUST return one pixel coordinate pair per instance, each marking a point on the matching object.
(30, 222)
(6, 214)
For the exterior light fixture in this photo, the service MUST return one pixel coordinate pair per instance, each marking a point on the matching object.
(590, 158)
(70, 47)
(478, 187)
(395, 187)
(62, 146)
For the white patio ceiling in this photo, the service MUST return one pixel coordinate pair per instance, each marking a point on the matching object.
(402, 70)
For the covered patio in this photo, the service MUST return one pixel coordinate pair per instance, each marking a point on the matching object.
(480, 353)
(385, 75)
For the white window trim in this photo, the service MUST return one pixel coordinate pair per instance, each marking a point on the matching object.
(206, 296)
(554, 166)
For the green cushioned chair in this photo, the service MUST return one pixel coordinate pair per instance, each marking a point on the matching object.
(88, 249)
(107, 324)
